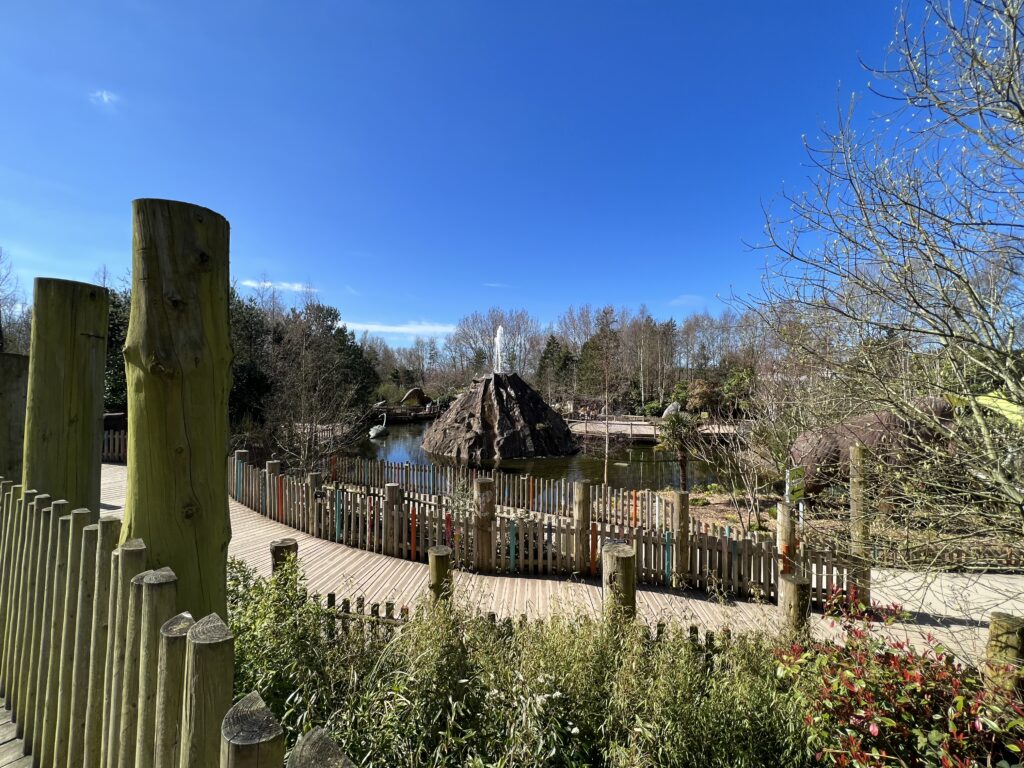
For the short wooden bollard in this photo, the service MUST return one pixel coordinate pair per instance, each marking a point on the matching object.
(483, 522)
(1004, 653)
(251, 737)
(209, 676)
(794, 600)
(280, 550)
(439, 561)
(317, 750)
(618, 578)
(169, 688)
(680, 539)
(159, 602)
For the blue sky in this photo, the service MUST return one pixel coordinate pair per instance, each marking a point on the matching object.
(416, 161)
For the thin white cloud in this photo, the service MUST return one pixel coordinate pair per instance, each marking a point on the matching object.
(104, 98)
(688, 300)
(281, 286)
(351, 291)
(413, 328)
(495, 285)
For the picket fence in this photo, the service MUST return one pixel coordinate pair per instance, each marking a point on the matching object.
(528, 542)
(96, 666)
(115, 447)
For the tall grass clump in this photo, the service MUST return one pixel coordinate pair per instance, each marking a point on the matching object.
(453, 689)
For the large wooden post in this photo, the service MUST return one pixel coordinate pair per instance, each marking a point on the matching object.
(178, 366)
(64, 404)
(13, 393)
(439, 562)
(794, 600)
(861, 568)
(483, 521)
(618, 578)
(785, 540)
(680, 538)
(251, 737)
(581, 525)
(392, 503)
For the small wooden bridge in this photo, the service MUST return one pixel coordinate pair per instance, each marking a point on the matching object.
(346, 571)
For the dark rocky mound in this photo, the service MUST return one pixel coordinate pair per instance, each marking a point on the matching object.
(499, 417)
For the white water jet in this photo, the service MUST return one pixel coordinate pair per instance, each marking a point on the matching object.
(499, 343)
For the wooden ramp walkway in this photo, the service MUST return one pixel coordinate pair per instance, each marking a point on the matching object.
(12, 749)
(348, 572)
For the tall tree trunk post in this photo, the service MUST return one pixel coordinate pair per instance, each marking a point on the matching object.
(178, 367)
(859, 527)
(64, 403)
(13, 394)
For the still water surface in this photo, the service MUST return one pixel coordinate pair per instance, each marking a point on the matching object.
(635, 466)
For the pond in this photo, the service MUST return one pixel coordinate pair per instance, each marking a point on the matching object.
(629, 466)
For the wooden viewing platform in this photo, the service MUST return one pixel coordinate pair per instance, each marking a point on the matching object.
(636, 429)
(331, 567)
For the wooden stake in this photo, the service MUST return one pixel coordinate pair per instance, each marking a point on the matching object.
(209, 674)
(1004, 653)
(159, 601)
(317, 750)
(281, 550)
(251, 737)
(439, 558)
(82, 644)
(618, 578)
(169, 690)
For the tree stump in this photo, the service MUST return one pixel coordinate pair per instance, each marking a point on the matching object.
(281, 550)
(439, 561)
(178, 368)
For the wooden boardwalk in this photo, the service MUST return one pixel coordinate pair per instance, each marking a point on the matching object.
(348, 572)
(12, 749)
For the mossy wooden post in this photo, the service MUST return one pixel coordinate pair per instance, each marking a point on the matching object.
(159, 601)
(618, 578)
(169, 687)
(860, 570)
(483, 524)
(13, 393)
(83, 643)
(131, 561)
(794, 600)
(680, 538)
(209, 675)
(439, 563)
(250, 736)
(581, 523)
(317, 749)
(64, 404)
(109, 532)
(1004, 653)
(178, 367)
(281, 550)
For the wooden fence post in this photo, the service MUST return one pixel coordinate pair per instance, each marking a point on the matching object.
(209, 675)
(439, 559)
(178, 367)
(131, 560)
(170, 690)
(1004, 653)
(860, 568)
(109, 532)
(38, 675)
(618, 578)
(81, 654)
(785, 533)
(129, 720)
(317, 750)
(273, 470)
(64, 424)
(581, 514)
(483, 519)
(159, 602)
(681, 538)
(56, 618)
(314, 482)
(392, 503)
(251, 737)
(13, 394)
(280, 550)
(34, 594)
(794, 600)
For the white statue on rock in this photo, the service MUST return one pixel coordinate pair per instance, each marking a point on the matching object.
(499, 339)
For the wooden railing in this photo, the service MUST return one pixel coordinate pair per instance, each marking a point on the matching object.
(96, 664)
(115, 447)
(390, 521)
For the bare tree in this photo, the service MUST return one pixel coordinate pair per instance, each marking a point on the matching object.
(901, 271)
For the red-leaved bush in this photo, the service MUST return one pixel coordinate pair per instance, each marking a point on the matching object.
(875, 701)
